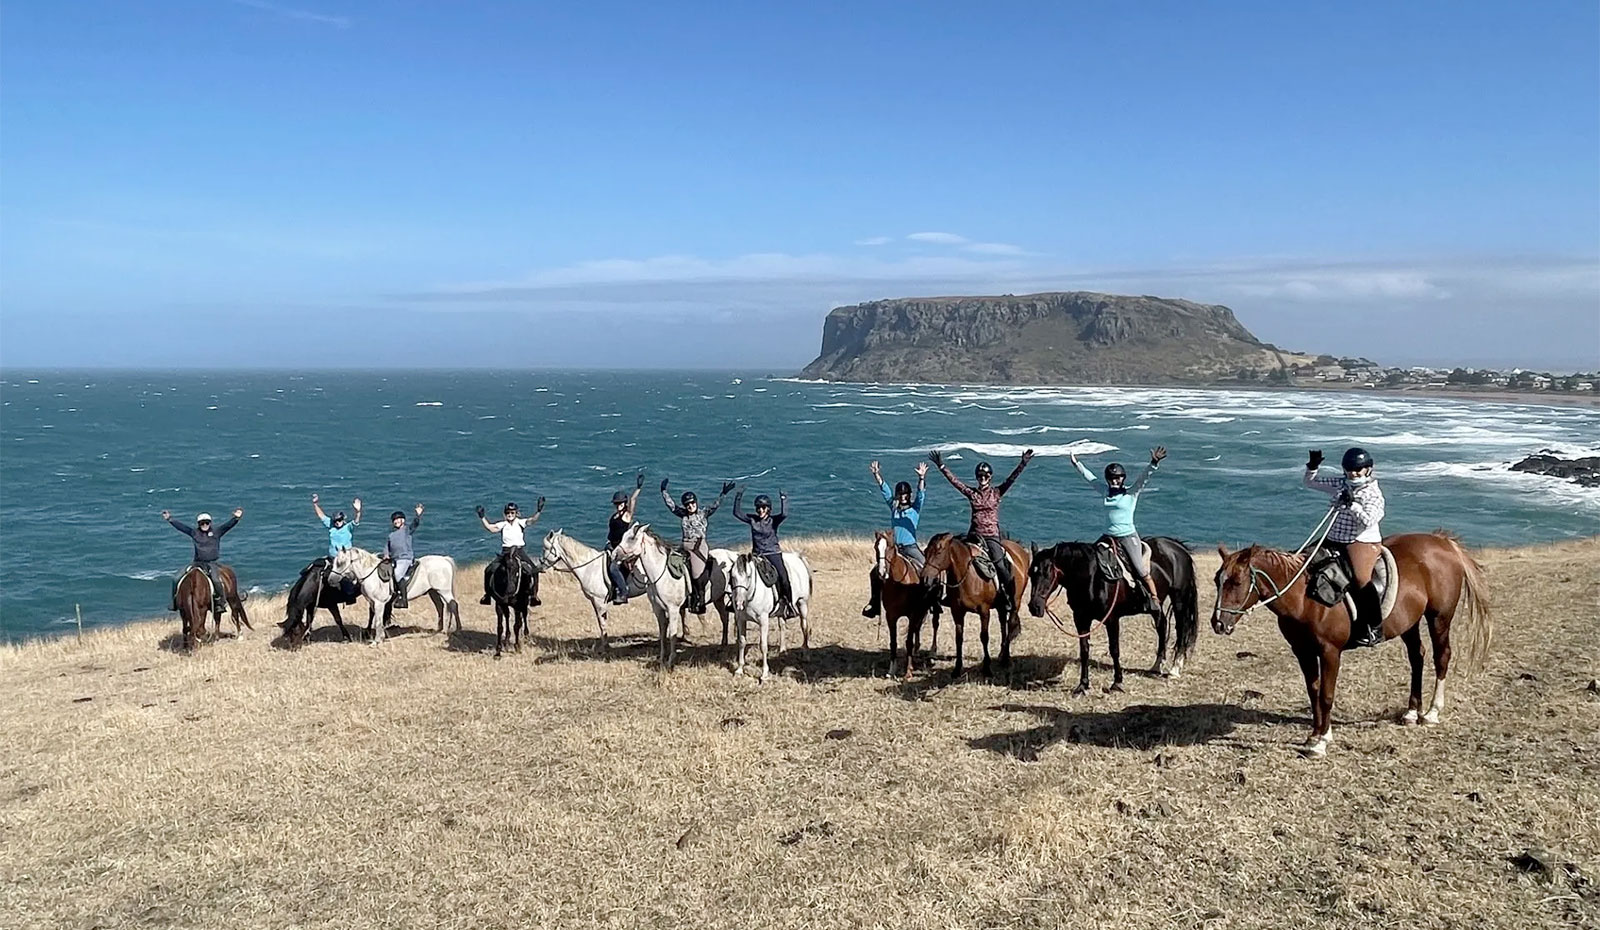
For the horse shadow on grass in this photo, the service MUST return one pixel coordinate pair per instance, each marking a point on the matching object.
(1137, 727)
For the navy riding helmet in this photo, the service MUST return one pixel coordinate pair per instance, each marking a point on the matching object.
(984, 468)
(902, 489)
(763, 500)
(1115, 470)
(1355, 459)
(511, 508)
(688, 498)
(621, 497)
(397, 515)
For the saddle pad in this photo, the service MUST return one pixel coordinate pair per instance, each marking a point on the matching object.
(386, 570)
(1120, 558)
(766, 570)
(1383, 571)
(981, 561)
(677, 564)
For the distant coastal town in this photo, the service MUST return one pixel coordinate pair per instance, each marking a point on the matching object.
(1328, 371)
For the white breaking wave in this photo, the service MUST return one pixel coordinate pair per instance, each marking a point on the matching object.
(430, 403)
(998, 449)
(1034, 430)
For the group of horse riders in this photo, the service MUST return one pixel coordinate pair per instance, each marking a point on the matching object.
(1358, 506)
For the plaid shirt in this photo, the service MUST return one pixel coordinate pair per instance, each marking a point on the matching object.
(1356, 521)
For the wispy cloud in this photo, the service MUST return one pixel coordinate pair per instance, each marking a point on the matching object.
(994, 248)
(938, 238)
(875, 240)
(287, 12)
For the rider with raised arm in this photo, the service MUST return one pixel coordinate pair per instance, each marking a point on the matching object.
(1355, 531)
(622, 507)
(510, 527)
(340, 532)
(905, 512)
(207, 551)
(1121, 499)
(764, 539)
(985, 527)
(397, 549)
(694, 538)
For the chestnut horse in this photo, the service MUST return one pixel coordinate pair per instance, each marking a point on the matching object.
(195, 601)
(1096, 601)
(970, 592)
(1437, 578)
(904, 595)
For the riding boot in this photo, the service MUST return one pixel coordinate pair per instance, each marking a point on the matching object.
(1366, 629)
(399, 599)
(874, 606)
(697, 594)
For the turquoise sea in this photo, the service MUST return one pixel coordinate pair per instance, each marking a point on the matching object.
(89, 459)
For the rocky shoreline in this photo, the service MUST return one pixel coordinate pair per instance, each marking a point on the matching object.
(1584, 471)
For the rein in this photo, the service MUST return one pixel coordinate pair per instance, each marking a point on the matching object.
(1324, 526)
(1055, 589)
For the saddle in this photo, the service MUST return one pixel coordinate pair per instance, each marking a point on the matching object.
(1112, 562)
(677, 564)
(767, 571)
(218, 601)
(982, 562)
(1329, 579)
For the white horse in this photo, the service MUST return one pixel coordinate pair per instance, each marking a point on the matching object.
(433, 575)
(668, 595)
(564, 553)
(755, 601)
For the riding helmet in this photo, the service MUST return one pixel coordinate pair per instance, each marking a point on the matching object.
(621, 497)
(763, 500)
(688, 498)
(203, 518)
(984, 468)
(397, 515)
(902, 489)
(511, 507)
(338, 517)
(1356, 458)
(1115, 470)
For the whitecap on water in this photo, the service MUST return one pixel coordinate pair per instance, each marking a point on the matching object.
(430, 403)
(1081, 447)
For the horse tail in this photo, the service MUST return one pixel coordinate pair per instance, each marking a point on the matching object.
(1472, 649)
(1186, 605)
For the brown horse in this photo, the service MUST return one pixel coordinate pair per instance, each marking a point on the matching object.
(969, 592)
(195, 603)
(904, 595)
(1436, 579)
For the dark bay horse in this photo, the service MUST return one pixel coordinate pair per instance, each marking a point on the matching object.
(1437, 580)
(904, 595)
(511, 585)
(194, 601)
(950, 559)
(311, 591)
(1097, 600)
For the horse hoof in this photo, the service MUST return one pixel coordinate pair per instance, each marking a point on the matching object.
(1080, 690)
(1430, 718)
(1314, 750)
(1114, 688)
(1408, 719)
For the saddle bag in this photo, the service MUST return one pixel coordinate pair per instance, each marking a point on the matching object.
(1328, 577)
(767, 571)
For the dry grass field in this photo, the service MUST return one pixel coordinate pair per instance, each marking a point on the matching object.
(425, 784)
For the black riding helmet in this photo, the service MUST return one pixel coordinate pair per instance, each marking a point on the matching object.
(902, 489)
(763, 500)
(397, 515)
(688, 498)
(511, 508)
(984, 468)
(1116, 471)
(621, 497)
(1355, 459)
(338, 518)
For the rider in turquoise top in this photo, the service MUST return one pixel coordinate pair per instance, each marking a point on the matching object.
(1120, 503)
(340, 533)
(905, 512)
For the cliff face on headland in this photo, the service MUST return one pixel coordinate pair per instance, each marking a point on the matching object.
(1059, 338)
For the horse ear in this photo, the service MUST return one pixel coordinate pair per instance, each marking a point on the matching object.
(1222, 550)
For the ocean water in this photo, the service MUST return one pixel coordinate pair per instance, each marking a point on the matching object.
(89, 459)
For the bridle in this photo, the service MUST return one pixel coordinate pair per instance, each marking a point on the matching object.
(1323, 527)
(1055, 588)
(546, 563)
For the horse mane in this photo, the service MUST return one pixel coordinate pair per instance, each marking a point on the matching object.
(362, 559)
(1289, 562)
(579, 551)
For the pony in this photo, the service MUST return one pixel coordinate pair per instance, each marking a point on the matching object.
(1096, 600)
(1436, 580)
(668, 595)
(433, 575)
(904, 595)
(755, 601)
(511, 586)
(195, 604)
(950, 559)
(309, 592)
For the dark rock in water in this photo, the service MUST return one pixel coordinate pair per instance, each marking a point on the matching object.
(1058, 338)
(1585, 471)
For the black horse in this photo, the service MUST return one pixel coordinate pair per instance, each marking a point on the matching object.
(1095, 598)
(311, 591)
(512, 585)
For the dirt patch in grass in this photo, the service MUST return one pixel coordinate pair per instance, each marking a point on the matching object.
(424, 784)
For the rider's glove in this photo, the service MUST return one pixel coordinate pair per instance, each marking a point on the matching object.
(480, 512)
(1346, 498)
(1314, 460)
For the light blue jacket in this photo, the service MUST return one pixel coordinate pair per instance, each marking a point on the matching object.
(341, 538)
(1119, 508)
(904, 521)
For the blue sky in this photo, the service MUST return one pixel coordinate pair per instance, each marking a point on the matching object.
(218, 182)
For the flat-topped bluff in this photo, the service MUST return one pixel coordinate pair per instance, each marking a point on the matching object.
(1055, 338)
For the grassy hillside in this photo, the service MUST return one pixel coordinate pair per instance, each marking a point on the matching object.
(424, 784)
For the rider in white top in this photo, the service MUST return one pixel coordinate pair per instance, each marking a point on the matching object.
(511, 540)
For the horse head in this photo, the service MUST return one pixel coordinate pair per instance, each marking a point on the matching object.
(880, 553)
(741, 581)
(631, 546)
(551, 553)
(1043, 579)
(1237, 591)
(937, 558)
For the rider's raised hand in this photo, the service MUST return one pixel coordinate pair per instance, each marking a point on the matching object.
(1157, 454)
(1027, 456)
(936, 457)
(922, 469)
(481, 512)
(356, 503)
(238, 512)
(782, 494)
(727, 486)
(539, 507)
(663, 484)
(1314, 460)
(419, 510)
(639, 481)
(166, 515)
(873, 467)
(313, 498)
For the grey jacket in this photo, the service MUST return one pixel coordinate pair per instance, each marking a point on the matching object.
(207, 545)
(398, 546)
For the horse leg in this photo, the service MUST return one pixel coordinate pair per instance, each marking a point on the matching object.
(804, 608)
(1413, 641)
(664, 634)
(1309, 656)
(1083, 658)
(894, 632)
(499, 627)
(1114, 642)
(1162, 621)
(959, 617)
(1330, 679)
(739, 644)
(933, 645)
(600, 618)
(1440, 626)
(983, 637)
(438, 605)
(337, 618)
(766, 621)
